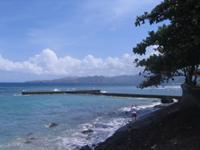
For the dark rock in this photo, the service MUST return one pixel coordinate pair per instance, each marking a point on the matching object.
(27, 142)
(52, 124)
(99, 125)
(32, 138)
(85, 148)
(29, 134)
(87, 131)
(166, 100)
(158, 106)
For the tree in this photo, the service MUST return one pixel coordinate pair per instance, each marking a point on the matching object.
(176, 42)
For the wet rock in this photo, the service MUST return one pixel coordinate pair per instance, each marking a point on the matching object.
(32, 138)
(85, 148)
(99, 125)
(27, 142)
(153, 147)
(158, 106)
(29, 134)
(87, 131)
(29, 138)
(51, 125)
(166, 100)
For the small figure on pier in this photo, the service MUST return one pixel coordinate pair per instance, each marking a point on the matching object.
(134, 112)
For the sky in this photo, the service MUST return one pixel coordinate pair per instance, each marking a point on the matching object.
(47, 39)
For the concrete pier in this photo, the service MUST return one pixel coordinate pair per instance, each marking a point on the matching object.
(99, 93)
(61, 92)
(139, 95)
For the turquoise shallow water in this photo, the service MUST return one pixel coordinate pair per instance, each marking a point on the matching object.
(24, 119)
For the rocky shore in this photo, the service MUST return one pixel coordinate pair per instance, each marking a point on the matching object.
(171, 128)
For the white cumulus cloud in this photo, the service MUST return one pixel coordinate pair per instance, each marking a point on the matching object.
(47, 62)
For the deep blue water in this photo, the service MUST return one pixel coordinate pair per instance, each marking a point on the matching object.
(24, 119)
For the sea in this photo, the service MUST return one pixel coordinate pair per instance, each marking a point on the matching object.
(77, 120)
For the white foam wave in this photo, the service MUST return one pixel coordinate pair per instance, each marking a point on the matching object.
(166, 87)
(149, 106)
(99, 130)
(140, 107)
(103, 91)
(17, 95)
(56, 90)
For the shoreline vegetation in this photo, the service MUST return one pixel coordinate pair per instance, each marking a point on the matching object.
(174, 127)
(176, 46)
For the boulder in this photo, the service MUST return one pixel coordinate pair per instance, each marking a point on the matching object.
(51, 125)
(166, 100)
(87, 131)
(85, 148)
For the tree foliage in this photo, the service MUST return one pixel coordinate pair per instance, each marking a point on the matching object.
(177, 44)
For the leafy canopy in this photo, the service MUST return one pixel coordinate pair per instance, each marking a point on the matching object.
(177, 44)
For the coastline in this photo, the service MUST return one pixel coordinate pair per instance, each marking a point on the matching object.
(151, 111)
(143, 112)
(170, 127)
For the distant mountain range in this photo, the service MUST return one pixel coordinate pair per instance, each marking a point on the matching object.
(101, 80)
(95, 80)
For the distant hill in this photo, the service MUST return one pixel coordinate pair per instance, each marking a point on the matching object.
(95, 80)
(134, 80)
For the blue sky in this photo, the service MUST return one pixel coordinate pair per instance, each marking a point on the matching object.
(42, 39)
